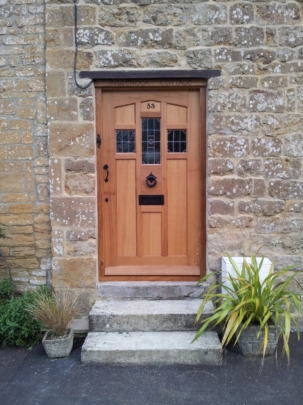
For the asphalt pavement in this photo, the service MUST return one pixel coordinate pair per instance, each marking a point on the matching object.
(30, 378)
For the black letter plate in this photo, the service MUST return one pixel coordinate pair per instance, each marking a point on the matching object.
(151, 199)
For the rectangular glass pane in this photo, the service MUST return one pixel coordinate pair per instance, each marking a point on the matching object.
(151, 139)
(125, 141)
(176, 141)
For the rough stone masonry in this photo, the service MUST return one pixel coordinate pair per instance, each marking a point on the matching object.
(254, 123)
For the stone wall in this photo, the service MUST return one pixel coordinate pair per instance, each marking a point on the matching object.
(254, 125)
(24, 194)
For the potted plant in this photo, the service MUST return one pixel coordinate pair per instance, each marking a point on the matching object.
(251, 306)
(55, 311)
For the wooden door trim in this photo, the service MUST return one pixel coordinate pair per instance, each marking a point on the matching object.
(100, 158)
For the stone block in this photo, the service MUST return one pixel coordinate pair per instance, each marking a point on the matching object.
(291, 101)
(230, 187)
(293, 243)
(220, 167)
(222, 222)
(21, 229)
(2, 153)
(118, 58)
(211, 36)
(79, 184)
(74, 273)
(248, 37)
(9, 198)
(278, 14)
(6, 107)
(228, 147)
(293, 145)
(285, 54)
(231, 101)
(25, 208)
(81, 248)
(241, 13)
(64, 59)
(261, 207)
(300, 98)
(266, 146)
(43, 192)
(294, 207)
(222, 207)
(73, 211)
(273, 82)
(186, 38)
(281, 262)
(282, 168)
(285, 189)
(282, 125)
(199, 58)
(162, 59)
(236, 123)
(71, 139)
(80, 165)
(208, 14)
(249, 167)
(57, 238)
(227, 55)
(63, 16)
(244, 82)
(291, 36)
(146, 37)
(240, 68)
(121, 16)
(11, 178)
(9, 137)
(260, 55)
(55, 84)
(276, 225)
(94, 36)
(41, 147)
(62, 109)
(86, 109)
(267, 101)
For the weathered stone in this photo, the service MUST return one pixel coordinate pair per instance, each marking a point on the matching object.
(293, 145)
(65, 109)
(247, 68)
(273, 82)
(293, 243)
(276, 225)
(236, 123)
(186, 38)
(222, 207)
(294, 207)
(261, 207)
(74, 273)
(220, 166)
(278, 14)
(241, 13)
(55, 182)
(249, 167)
(162, 15)
(281, 125)
(285, 54)
(73, 90)
(228, 147)
(208, 14)
(199, 58)
(215, 36)
(11, 177)
(162, 59)
(122, 16)
(24, 208)
(79, 184)
(57, 242)
(227, 55)
(285, 190)
(55, 84)
(260, 55)
(146, 37)
(84, 166)
(86, 109)
(267, 101)
(221, 241)
(227, 101)
(118, 58)
(282, 168)
(245, 82)
(43, 192)
(80, 248)
(71, 140)
(17, 219)
(64, 59)
(222, 222)
(291, 36)
(77, 235)
(93, 36)
(249, 37)
(300, 98)
(266, 147)
(64, 16)
(234, 188)
(73, 211)
(291, 100)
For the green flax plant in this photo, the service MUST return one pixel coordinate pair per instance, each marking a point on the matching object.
(248, 300)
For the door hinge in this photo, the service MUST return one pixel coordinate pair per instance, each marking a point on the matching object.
(99, 141)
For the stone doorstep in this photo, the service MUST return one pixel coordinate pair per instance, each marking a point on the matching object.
(145, 315)
(151, 348)
(164, 290)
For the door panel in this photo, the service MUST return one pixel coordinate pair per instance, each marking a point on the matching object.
(148, 133)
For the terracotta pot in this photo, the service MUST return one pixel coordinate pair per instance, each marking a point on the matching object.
(60, 347)
(251, 345)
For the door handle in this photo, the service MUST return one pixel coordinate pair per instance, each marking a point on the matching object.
(105, 167)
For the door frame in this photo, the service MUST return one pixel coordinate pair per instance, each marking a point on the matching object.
(108, 85)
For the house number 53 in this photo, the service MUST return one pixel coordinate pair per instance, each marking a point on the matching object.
(150, 106)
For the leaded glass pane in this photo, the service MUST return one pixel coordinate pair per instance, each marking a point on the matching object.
(176, 140)
(125, 141)
(151, 130)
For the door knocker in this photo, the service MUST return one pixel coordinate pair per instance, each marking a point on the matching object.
(151, 180)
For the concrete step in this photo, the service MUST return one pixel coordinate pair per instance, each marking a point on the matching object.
(151, 348)
(144, 315)
(151, 290)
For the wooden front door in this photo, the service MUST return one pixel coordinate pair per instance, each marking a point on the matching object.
(150, 186)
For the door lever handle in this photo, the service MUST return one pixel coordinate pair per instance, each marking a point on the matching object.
(105, 167)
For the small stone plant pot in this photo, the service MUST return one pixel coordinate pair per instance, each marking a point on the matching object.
(60, 347)
(251, 345)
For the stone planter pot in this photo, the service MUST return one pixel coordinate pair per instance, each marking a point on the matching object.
(58, 347)
(250, 344)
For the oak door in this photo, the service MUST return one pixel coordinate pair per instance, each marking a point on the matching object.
(149, 182)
